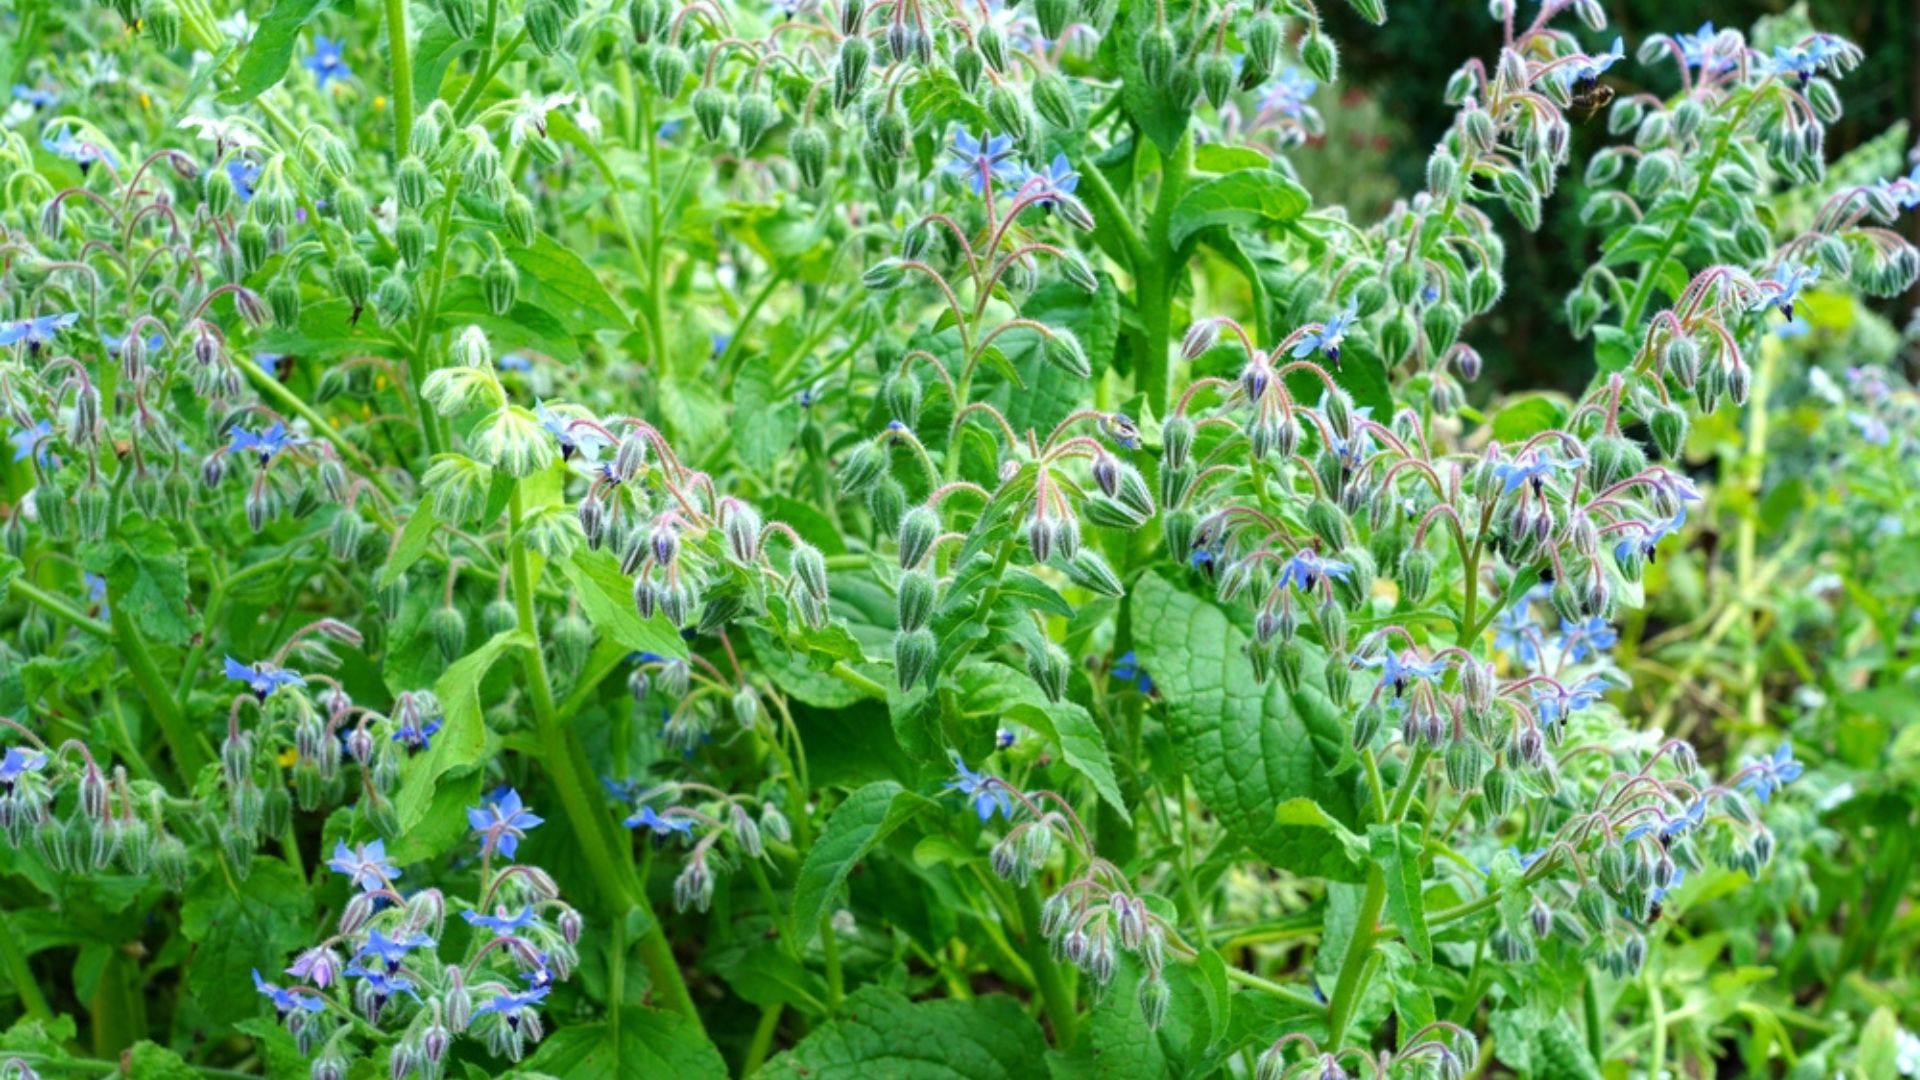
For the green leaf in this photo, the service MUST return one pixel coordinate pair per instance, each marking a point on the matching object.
(1879, 1054)
(553, 277)
(146, 578)
(462, 741)
(643, 1043)
(435, 49)
(854, 829)
(526, 325)
(1524, 417)
(415, 539)
(151, 1061)
(879, 1033)
(1247, 748)
(607, 598)
(271, 49)
(1242, 197)
(1307, 814)
(998, 690)
(239, 927)
(1613, 348)
(765, 422)
(1396, 850)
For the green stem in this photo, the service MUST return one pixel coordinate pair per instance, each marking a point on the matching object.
(763, 1033)
(401, 64)
(830, 949)
(190, 753)
(1347, 990)
(1154, 279)
(59, 608)
(31, 999)
(566, 761)
(1054, 994)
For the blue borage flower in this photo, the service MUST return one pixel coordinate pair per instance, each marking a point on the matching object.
(1058, 178)
(81, 153)
(1783, 289)
(500, 922)
(502, 822)
(391, 952)
(18, 763)
(384, 984)
(416, 735)
(1769, 774)
(365, 865)
(1589, 638)
(262, 678)
(287, 1001)
(582, 441)
(35, 98)
(1403, 669)
(1904, 190)
(36, 333)
(1532, 466)
(1871, 429)
(1648, 537)
(1127, 668)
(982, 161)
(1588, 70)
(660, 825)
(245, 175)
(264, 444)
(1515, 633)
(1328, 337)
(326, 61)
(1703, 48)
(1553, 702)
(509, 1004)
(1307, 568)
(33, 442)
(319, 965)
(985, 792)
(1675, 827)
(1288, 93)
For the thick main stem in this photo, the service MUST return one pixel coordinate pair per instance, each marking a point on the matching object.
(1154, 279)
(566, 761)
(401, 64)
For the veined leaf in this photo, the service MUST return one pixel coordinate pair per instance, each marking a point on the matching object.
(1242, 197)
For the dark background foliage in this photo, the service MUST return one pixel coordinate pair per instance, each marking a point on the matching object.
(1402, 65)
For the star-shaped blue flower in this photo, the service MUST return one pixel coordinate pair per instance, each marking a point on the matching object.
(987, 794)
(1128, 668)
(417, 736)
(266, 443)
(1589, 638)
(32, 442)
(1784, 288)
(1531, 466)
(1289, 93)
(385, 984)
(366, 865)
(660, 825)
(17, 763)
(286, 1001)
(81, 153)
(1328, 338)
(1771, 773)
(508, 1004)
(502, 823)
(326, 60)
(1514, 634)
(1644, 542)
(1402, 670)
(37, 332)
(1553, 702)
(1589, 71)
(262, 678)
(244, 174)
(500, 922)
(1306, 568)
(981, 161)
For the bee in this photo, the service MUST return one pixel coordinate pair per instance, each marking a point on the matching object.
(1589, 97)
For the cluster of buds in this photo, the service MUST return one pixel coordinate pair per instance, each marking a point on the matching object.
(1441, 1049)
(1095, 914)
(110, 822)
(698, 818)
(385, 965)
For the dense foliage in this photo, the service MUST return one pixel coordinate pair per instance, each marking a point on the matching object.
(798, 540)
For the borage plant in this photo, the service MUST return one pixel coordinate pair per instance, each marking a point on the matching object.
(987, 577)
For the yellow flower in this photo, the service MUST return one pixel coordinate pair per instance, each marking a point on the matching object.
(379, 102)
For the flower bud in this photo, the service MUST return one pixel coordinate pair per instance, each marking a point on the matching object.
(915, 599)
(1091, 572)
(448, 625)
(913, 655)
(919, 528)
(353, 279)
(393, 302)
(808, 148)
(1319, 55)
(1156, 55)
(757, 114)
(501, 282)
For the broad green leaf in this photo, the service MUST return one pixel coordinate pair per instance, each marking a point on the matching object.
(1246, 747)
(878, 1033)
(1240, 198)
(435, 48)
(526, 325)
(607, 598)
(271, 49)
(1396, 851)
(1524, 417)
(998, 690)
(1613, 348)
(643, 1044)
(853, 830)
(1307, 814)
(414, 541)
(239, 926)
(1114, 1042)
(146, 578)
(765, 422)
(462, 741)
(554, 278)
